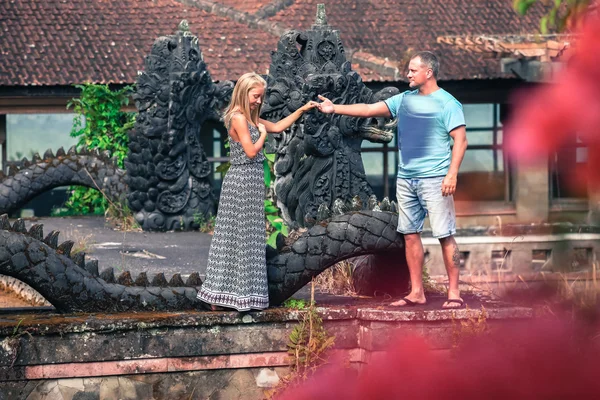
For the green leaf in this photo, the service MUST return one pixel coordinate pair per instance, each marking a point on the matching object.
(223, 168)
(544, 24)
(270, 156)
(271, 210)
(272, 241)
(522, 6)
(267, 173)
(274, 218)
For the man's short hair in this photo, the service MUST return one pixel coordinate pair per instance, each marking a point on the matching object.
(430, 60)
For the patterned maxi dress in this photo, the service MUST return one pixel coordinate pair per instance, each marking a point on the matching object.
(236, 275)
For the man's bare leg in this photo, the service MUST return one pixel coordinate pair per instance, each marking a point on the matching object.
(452, 263)
(414, 259)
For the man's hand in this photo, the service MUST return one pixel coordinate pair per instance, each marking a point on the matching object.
(449, 185)
(326, 106)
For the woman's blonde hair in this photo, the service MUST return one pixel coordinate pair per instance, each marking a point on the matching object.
(239, 98)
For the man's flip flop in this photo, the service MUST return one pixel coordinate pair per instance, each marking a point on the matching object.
(408, 303)
(460, 303)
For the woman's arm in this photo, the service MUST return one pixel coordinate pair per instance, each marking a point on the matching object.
(281, 125)
(239, 128)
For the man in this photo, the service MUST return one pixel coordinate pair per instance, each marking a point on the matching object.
(428, 117)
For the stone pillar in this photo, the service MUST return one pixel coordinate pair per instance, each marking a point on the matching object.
(532, 191)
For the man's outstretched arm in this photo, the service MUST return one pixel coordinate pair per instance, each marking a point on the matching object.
(361, 110)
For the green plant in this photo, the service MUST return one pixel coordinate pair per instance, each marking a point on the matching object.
(337, 279)
(205, 225)
(120, 215)
(473, 326)
(83, 243)
(296, 304)
(99, 123)
(308, 342)
(276, 225)
(560, 14)
(429, 285)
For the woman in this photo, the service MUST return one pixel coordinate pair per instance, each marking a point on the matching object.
(236, 275)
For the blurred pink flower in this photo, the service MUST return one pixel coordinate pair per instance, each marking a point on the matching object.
(549, 116)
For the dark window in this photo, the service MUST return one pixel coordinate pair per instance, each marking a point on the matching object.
(568, 170)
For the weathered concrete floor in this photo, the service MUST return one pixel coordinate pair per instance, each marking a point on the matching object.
(152, 252)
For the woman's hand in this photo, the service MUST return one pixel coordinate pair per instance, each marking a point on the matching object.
(262, 129)
(311, 104)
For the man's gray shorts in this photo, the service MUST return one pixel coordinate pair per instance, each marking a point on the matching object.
(418, 197)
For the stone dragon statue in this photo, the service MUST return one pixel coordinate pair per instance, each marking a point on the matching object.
(319, 160)
(82, 167)
(71, 284)
(167, 169)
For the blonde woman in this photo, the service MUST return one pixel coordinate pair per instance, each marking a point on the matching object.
(236, 275)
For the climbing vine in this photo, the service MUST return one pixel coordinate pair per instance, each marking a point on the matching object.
(99, 123)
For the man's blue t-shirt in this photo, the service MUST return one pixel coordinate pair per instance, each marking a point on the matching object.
(424, 124)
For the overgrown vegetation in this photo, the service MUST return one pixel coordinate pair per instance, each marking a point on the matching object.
(337, 279)
(83, 243)
(205, 225)
(307, 345)
(275, 223)
(469, 328)
(99, 123)
(295, 304)
(561, 14)
(121, 217)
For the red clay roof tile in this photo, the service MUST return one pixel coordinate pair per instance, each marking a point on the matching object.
(396, 28)
(62, 43)
(56, 42)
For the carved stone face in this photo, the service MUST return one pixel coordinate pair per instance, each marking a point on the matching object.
(326, 50)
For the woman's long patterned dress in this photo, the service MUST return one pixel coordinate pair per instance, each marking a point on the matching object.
(236, 275)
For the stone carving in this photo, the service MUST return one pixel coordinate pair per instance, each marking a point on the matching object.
(167, 169)
(71, 284)
(319, 160)
(40, 174)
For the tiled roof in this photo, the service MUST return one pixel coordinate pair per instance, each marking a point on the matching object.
(393, 29)
(249, 6)
(543, 47)
(58, 42)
